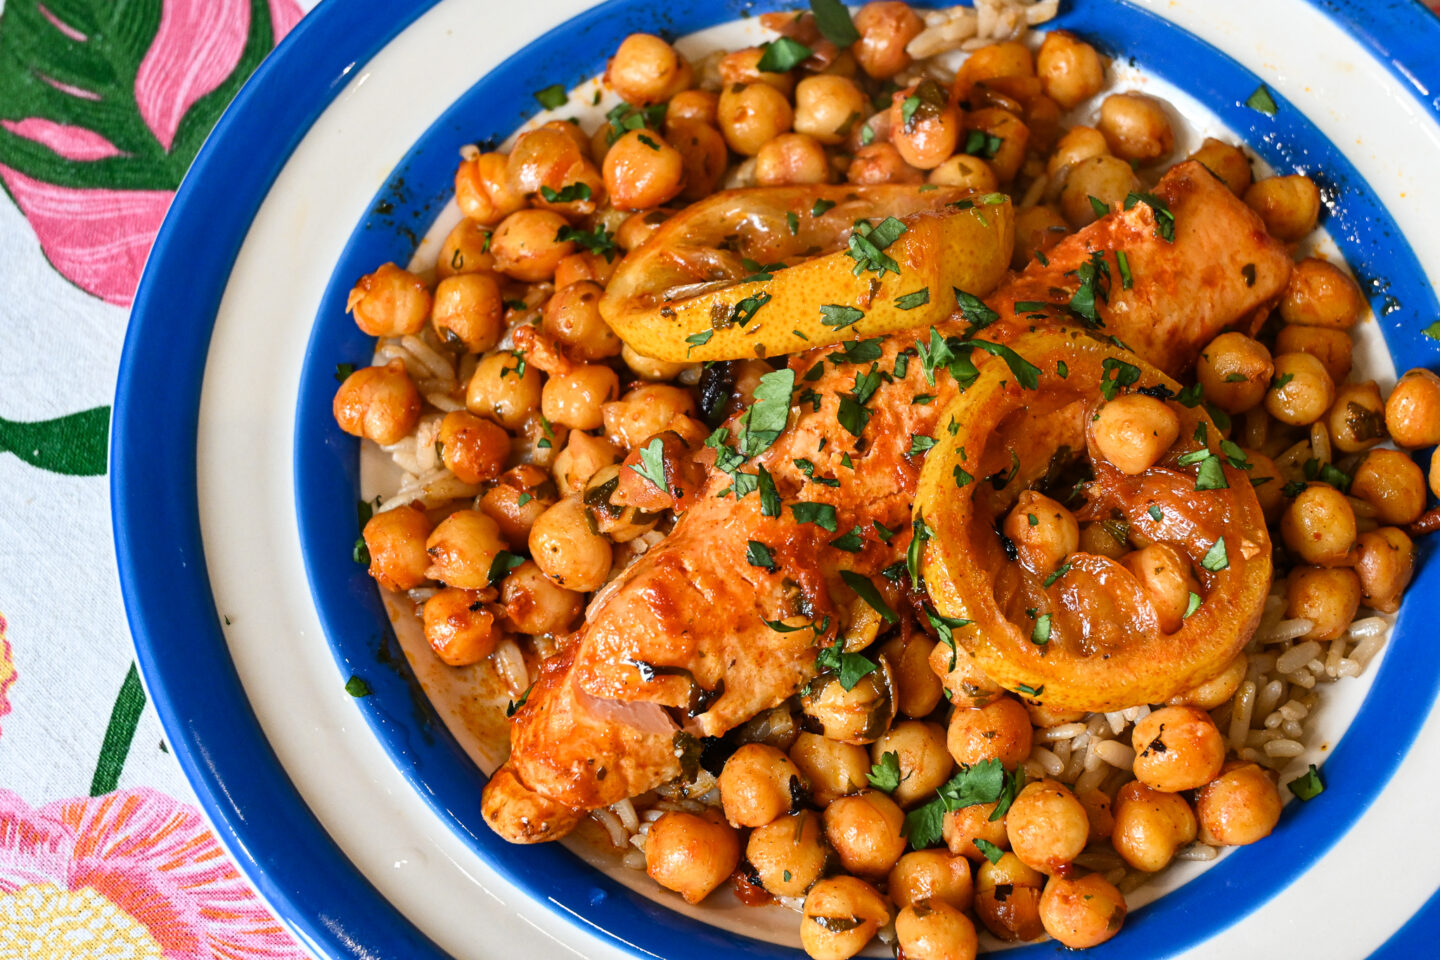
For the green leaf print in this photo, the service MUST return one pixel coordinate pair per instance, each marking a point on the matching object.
(74, 445)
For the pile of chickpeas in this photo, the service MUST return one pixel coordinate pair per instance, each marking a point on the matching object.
(548, 408)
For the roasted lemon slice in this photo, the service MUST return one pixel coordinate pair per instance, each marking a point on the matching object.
(768, 271)
(1089, 635)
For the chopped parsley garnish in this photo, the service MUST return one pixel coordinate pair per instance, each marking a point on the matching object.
(962, 477)
(833, 19)
(912, 300)
(552, 97)
(746, 308)
(1026, 690)
(1263, 101)
(698, 340)
(919, 533)
(758, 554)
(945, 628)
(839, 316)
(513, 707)
(1192, 606)
(919, 443)
(1029, 306)
(883, 532)
(766, 417)
(807, 467)
(504, 562)
(1094, 277)
(624, 118)
(1164, 219)
(781, 55)
(792, 221)
(599, 240)
(1308, 785)
(1216, 558)
(867, 135)
(979, 143)
(1060, 571)
(1122, 260)
(343, 371)
(1155, 513)
(1432, 331)
(991, 852)
(857, 351)
(885, 775)
(850, 542)
(652, 462)
(907, 111)
(983, 783)
(1211, 475)
(868, 243)
(1115, 374)
(1100, 207)
(820, 207)
(849, 668)
(974, 310)
(570, 193)
(865, 587)
(648, 142)
(357, 687)
(769, 496)
(820, 514)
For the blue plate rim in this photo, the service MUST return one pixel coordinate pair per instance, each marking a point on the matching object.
(153, 491)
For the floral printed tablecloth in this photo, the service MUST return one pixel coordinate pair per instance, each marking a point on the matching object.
(103, 105)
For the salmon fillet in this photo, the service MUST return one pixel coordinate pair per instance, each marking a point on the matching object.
(680, 646)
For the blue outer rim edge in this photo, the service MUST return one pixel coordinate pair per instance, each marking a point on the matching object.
(316, 889)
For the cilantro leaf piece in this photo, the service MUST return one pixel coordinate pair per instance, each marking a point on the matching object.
(840, 316)
(974, 310)
(867, 246)
(851, 542)
(599, 240)
(991, 852)
(1164, 219)
(1127, 279)
(919, 533)
(698, 340)
(567, 194)
(1115, 374)
(919, 443)
(1308, 785)
(1025, 373)
(820, 514)
(1211, 475)
(1094, 277)
(1060, 571)
(833, 19)
(820, 207)
(513, 707)
(746, 308)
(963, 477)
(945, 628)
(504, 562)
(885, 775)
(849, 668)
(1216, 559)
(923, 825)
(769, 496)
(652, 462)
(781, 55)
(357, 687)
(912, 300)
(758, 554)
(852, 415)
(865, 587)
(1432, 331)
(765, 419)
(1192, 605)
(980, 143)
(857, 351)
(1263, 101)
(884, 532)
(1100, 207)
(553, 97)
(343, 371)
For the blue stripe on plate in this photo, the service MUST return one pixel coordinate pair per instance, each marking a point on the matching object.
(1417, 938)
(157, 531)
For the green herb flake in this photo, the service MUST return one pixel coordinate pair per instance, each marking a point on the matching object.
(698, 340)
(769, 496)
(851, 542)
(1060, 571)
(1263, 101)
(885, 775)
(782, 55)
(553, 97)
(792, 221)
(820, 207)
(1193, 605)
(912, 300)
(343, 371)
(357, 687)
(1116, 374)
(1216, 558)
(992, 852)
(1308, 785)
(1164, 219)
(570, 193)
(865, 587)
(765, 419)
(1155, 513)
(652, 462)
(1041, 634)
(919, 443)
(849, 668)
(1100, 207)
(758, 554)
(1122, 260)
(820, 514)
(599, 240)
(839, 317)
(833, 19)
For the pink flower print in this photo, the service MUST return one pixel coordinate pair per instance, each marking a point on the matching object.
(93, 151)
(131, 874)
(7, 670)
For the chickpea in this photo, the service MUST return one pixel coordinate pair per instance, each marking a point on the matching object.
(1302, 390)
(1333, 348)
(534, 605)
(390, 302)
(1320, 294)
(1043, 531)
(703, 155)
(644, 412)
(1356, 419)
(1319, 526)
(1100, 539)
(467, 311)
(1385, 566)
(1238, 807)
(395, 540)
(1164, 575)
(961, 828)
(1435, 475)
(583, 266)
(935, 931)
(474, 449)
(1007, 899)
(482, 189)
(881, 163)
(833, 769)
(459, 628)
(924, 762)
(466, 250)
(1412, 413)
(751, 115)
(583, 457)
(886, 28)
(917, 688)
(1037, 229)
(788, 853)
(792, 159)
(1393, 484)
(1014, 138)
(1108, 179)
(378, 403)
(1070, 70)
(932, 875)
(575, 399)
(572, 316)
(648, 368)
(1046, 715)
(959, 673)
(697, 106)
(566, 550)
(1008, 58)
(505, 389)
(503, 501)
(555, 158)
(1327, 597)
(1133, 432)
(1150, 826)
(639, 227)
(1177, 748)
(858, 715)
(646, 69)
(642, 171)
(1082, 913)
(1137, 127)
(691, 854)
(828, 930)
(462, 547)
(826, 107)
(866, 831)
(1218, 689)
(1228, 163)
(526, 245)
(1078, 144)
(757, 785)
(1235, 371)
(929, 137)
(1097, 813)
(1000, 730)
(963, 170)
(743, 66)
(1047, 826)
(1289, 206)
